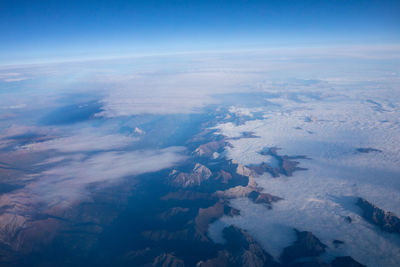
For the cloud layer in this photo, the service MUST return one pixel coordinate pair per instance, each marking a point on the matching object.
(66, 183)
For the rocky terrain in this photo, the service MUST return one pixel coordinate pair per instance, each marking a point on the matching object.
(169, 260)
(286, 165)
(162, 225)
(240, 250)
(385, 220)
(196, 177)
(306, 245)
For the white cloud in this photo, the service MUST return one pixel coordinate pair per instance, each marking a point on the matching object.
(68, 182)
(170, 93)
(108, 166)
(84, 140)
(338, 126)
(12, 77)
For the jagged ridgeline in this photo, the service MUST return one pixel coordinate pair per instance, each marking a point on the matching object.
(164, 219)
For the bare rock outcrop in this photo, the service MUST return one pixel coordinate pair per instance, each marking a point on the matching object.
(244, 250)
(208, 149)
(167, 260)
(240, 250)
(286, 165)
(211, 214)
(196, 177)
(385, 220)
(306, 245)
(263, 198)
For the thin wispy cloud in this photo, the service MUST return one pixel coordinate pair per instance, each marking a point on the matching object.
(84, 140)
(170, 93)
(12, 77)
(65, 184)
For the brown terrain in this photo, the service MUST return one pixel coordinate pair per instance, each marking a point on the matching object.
(385, 220)
(306, 245)
(140, 224)
(286, 165)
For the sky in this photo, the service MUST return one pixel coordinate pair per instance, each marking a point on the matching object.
(57, 29)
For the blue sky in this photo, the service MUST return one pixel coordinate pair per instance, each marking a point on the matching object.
(40, 30)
